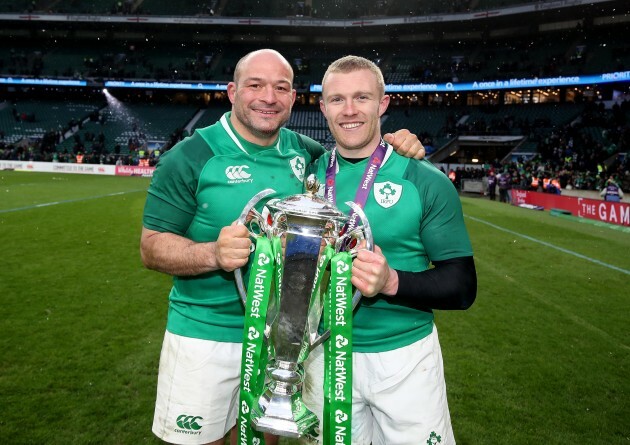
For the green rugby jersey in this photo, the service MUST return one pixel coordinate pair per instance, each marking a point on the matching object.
(416, 216)
(200, 186)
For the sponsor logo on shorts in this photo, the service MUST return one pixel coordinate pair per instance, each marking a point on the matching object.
(237, 174)
(188, 424)
(434, 439)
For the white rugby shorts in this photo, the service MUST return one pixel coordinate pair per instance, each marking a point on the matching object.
(398, 396)
(197, 391)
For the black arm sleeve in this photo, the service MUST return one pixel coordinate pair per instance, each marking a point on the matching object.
(451, 284)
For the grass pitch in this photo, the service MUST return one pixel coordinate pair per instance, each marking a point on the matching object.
(543, 356)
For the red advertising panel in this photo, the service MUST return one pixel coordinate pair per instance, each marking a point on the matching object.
(610, 212)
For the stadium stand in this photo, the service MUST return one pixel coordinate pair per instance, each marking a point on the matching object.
(210, 115)
(579, 129)
(33, 118)
(129, 126)
(325, 9)
(555, 53)
(312, 123)
(20, 6)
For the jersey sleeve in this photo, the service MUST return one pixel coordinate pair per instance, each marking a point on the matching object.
(442, 228)
(171, 199)
(450, 285)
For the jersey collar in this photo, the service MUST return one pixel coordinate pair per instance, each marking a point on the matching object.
(227, 126)
(388, 153)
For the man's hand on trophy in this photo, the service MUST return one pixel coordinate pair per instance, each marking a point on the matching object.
(372, 275)
(405, 143)
(232, 248)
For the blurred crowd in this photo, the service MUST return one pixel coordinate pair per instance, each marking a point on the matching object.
(544, 175)
(70, 144)
(568, 157)
(574, 156)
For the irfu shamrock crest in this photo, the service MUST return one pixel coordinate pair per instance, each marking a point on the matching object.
(434, 438)
(387, 193)
(298, 166)
(387, 190)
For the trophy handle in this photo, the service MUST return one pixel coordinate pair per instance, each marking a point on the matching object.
(249, 207)
(366, 234)
(366, 231)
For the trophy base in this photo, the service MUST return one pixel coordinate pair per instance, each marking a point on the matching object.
(283, 415)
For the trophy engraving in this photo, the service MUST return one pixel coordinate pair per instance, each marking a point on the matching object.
(306, 224)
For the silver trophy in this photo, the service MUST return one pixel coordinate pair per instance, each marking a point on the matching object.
(305, 223)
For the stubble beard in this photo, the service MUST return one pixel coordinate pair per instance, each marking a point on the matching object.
(350, 143)
(257, 130)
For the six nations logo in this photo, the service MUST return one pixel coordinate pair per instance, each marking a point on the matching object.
(237, 174)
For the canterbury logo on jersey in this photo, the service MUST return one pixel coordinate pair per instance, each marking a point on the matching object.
(237, 174)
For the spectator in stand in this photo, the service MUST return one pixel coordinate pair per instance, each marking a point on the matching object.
(554, 187)
(452, 176)
(492, 185)
(546, 182)
(535, 182)
(505, 184)
(524, 181)
(612, 192)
